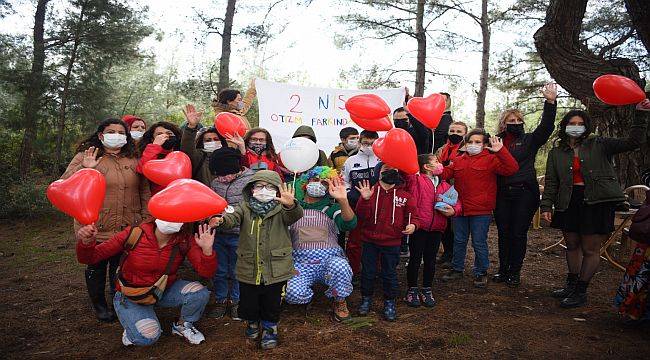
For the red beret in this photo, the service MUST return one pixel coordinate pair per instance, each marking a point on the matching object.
(130, 119)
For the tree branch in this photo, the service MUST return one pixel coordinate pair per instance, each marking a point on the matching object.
(616, 43)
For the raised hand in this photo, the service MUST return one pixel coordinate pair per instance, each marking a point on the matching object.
(237, 140)
(160, 139)
(549, 91)
(205, 238)
(192, 116)
(287, 195)
(643, 105)
(87, 233)
(365, 189)
(337, 189)
(90, 159)
(496, 143)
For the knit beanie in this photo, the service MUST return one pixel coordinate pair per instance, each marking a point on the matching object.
(225, 161)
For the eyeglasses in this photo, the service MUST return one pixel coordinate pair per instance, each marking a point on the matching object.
(269, 187)
(257, 140)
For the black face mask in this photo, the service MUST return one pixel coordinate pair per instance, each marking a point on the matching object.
(391, 177)
(455, 138)
(515, 129)
(171, 143)
(401, 123)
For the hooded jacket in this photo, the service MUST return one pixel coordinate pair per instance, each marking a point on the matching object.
(384, 216)
(426, 195)
(475, 179)
(233, 192)
(264, 254)
(304, 130)
(357, 168)
(146, 263)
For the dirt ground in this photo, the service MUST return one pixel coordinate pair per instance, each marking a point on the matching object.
(45, 313)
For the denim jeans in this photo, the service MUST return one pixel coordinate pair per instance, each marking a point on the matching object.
(225, 245)
(389, 258)
(477, 226)
(140, 321)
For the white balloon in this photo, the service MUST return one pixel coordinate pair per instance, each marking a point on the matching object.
(299, 154)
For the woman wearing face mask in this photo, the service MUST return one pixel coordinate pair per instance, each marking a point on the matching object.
(199, 144)
(162, 138)
(580, 193)
(153, 252)
(264, 261)
(110, 150)
(475, 179)
(231, 100)
(136, 126)
(518, 195)
(258, 151)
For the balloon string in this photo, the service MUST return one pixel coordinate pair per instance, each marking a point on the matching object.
(294, 180)
(409, 235)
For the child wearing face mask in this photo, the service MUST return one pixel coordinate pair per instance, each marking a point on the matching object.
(317, 255)
(475, 179)
(387, 211)
(110, 150)
(349, 146)
(265, 261)
(230, 179)
(427, 188)
(151, 255)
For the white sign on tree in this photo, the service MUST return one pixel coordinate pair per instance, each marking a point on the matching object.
(284, 107)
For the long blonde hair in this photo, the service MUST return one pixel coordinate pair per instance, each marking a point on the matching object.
(504, 115)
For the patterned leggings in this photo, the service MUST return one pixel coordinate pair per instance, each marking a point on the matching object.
(325, 266)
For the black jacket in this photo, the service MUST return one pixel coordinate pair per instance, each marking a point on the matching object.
(525, 147)
(421, 135)
(441, 133)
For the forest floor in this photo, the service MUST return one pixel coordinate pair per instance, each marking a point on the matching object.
(45, 313)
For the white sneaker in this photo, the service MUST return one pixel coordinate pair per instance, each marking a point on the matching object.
(189, 332)
(125, 339)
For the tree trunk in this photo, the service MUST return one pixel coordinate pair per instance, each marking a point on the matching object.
(224, 61)
(575, 68)
(421, 36)
(58, 150)
(32, 102)
(639, 11)
(485, 65)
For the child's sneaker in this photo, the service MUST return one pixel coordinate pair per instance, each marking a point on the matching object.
(364, 308)
(125, 339)
(252, 330)
(480, 281)
(340, 308)
(219, 310)
(427, 297)
(189, 332)
(234, 311)
(390, 310)
(412, 297)
(269, 336)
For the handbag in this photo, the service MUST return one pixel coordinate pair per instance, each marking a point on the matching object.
(640, 228)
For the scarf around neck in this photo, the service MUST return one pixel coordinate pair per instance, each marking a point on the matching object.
(260, 209)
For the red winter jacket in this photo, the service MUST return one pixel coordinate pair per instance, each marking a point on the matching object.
(146, 263)
(385, 215)
(251, 158)
(448, 153)
(426, 196)
(475, 179)
(152, 152)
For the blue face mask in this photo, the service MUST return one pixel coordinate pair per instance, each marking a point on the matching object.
(575, 131)
(316, 189)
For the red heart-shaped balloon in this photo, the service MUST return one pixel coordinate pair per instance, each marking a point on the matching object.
(229, 124)
(176, 165)
(381, 124)
(186, 200)
(367, 106)
(428, 110)
(80, 196)
(398, 150)
(617, 90)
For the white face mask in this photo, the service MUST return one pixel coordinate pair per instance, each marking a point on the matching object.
(114, 141)
(352, 144)
(211, 146)
(474, 149)
(575, 131)
(167, 227)
(264, 195)
(136, 135)
(366, 150)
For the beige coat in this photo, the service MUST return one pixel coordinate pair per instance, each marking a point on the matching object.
(248, 102)
(127, 193)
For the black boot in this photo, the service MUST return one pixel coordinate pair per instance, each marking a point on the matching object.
(513, 280)
(577, 298)
(501, 276)
(95, 283)
(571, 280)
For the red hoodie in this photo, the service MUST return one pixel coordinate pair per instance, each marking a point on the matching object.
(147, 262)
(384, 216)
(152, 152)
(475, 179)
